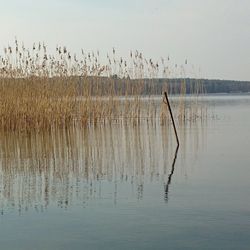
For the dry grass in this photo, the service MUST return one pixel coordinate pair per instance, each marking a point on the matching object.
(40, 91)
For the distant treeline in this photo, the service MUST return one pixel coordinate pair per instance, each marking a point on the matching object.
(107, 86)
(190, 86)
(185, 85)
(225, 86)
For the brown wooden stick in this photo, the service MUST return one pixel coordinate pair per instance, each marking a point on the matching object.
(172, 118)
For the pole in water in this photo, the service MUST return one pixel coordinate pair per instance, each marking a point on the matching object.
(172, 118)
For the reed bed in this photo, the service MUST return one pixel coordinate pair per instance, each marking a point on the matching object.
(41, 90)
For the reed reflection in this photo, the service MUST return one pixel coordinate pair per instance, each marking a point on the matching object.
(76, 165)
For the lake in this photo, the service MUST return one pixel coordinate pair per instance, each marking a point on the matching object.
(125, 186)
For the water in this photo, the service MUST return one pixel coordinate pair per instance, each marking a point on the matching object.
(119, 186)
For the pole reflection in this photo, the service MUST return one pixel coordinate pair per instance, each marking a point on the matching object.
(171, 173)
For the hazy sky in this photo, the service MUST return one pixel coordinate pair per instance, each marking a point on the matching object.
(213, 35)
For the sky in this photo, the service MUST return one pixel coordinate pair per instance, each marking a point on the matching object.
(213, 35)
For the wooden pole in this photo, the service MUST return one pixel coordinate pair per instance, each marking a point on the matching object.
(172, 118)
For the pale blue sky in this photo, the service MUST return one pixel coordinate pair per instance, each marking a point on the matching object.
(213, 35)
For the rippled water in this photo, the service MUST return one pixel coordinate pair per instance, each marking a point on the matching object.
(124, 186)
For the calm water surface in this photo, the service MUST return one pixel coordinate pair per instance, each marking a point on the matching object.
(119, 185)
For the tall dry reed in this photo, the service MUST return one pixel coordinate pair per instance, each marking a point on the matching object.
(41, 90)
